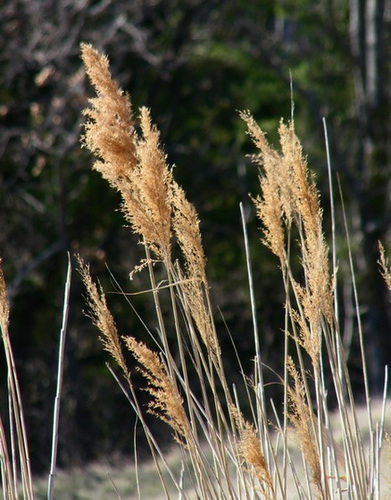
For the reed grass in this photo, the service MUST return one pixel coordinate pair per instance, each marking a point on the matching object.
(228, 453)
(14, 452)
(244, 456)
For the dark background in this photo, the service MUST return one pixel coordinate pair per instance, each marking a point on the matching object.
(195, 63)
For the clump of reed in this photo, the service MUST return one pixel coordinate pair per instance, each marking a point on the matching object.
(226, 454)
(231, 457)
(16, 475)
(14, 453)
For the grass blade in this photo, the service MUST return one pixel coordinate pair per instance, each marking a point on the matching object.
(60, 370)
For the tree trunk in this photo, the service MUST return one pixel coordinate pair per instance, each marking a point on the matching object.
(372, 166)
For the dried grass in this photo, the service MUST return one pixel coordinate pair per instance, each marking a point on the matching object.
(14, 452)
(246, 459)
(226, 455)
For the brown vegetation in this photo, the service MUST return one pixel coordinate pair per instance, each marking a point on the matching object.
(229, 455)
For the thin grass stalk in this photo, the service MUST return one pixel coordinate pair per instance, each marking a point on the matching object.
(162, 328)
(332, 216)
(17, 425)
(60, 370)
(6, 467)
(340, 359)
(198, 358)
(171, 282)
(153, 446)
(240, 480)
(286, 282)
(279, 483)
(24, 459)
(222, 423)
(211, 365)
(213, 435)
(375, 465)
(339, 385)
(307, 478)
(359, 325)
(320, 398)
(199, 362)
(333, 461)
(13, 440)
(253, 308)
(27, 480)
(197, 463)
(136, 468)
(382, 423)
(361, 339)
(282, 481)
(262, 415)
(259, 419)
(258, 364)
(354, 450)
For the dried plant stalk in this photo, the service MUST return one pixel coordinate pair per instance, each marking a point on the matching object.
(18, 434)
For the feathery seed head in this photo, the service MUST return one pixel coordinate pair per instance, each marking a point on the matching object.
(250, 452)
(385, 269)
(102, 318)
(289, 195)
(167, 403)
(134, 165)
(146, 201)
(109, 126)
(301, 417)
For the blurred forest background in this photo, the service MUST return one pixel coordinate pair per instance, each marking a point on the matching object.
(194, 63)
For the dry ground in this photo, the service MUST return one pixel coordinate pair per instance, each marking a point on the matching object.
(108, 482)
